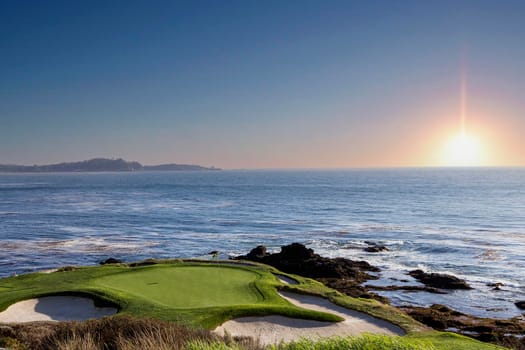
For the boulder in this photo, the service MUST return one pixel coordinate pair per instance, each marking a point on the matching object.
(110, 261)
(376, 249)
(439, 280)
(520, 304)
(296, 251)
(258, 252)
(496, 285)
(147, 262)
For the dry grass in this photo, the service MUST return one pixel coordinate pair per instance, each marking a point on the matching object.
(78, 342)
(115, 333)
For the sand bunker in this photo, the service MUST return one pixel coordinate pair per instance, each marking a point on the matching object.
(286, 280)
(274, 329)
(55, 308)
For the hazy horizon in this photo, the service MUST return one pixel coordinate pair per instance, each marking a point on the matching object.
(264, 85)
(422, 167)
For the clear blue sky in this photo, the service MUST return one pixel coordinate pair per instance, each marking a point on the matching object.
(257, 84)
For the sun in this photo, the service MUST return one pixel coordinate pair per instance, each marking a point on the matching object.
(463, 150)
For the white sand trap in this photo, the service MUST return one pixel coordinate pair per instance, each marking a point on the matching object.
(274, 329)
(56, 308)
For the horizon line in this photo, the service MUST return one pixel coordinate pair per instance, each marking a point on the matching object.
(372, 167)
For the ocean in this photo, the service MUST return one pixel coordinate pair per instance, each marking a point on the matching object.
(466, 222)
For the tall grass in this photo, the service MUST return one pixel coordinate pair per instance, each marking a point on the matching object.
(115, 333)
(78, 342)
(364, 342)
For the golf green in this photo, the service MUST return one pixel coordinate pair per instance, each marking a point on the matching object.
(187, 286)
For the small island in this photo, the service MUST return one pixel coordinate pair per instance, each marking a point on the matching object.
(100, 165)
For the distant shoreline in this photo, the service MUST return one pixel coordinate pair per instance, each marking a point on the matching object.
(100, 165)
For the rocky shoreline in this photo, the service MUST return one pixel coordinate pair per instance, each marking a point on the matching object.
(348, 277)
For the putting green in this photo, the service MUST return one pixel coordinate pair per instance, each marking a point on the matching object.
(187, 286)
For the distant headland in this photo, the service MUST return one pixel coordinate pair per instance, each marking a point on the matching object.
(100, 164)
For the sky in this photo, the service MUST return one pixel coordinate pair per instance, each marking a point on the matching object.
(263, 84)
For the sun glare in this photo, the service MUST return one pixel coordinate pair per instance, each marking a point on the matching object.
(463, 150)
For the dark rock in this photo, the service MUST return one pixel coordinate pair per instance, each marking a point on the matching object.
(341, 274)
(496, 285)
(439, 280)
(441, 308)
(296, 258)
(408, 289)
(67, 269)
(110, 261)
(503, 332)
(352, 288)
(478, 329)
(520, 304)
(486, 337)
(435, 323)
(296, 251)
(376, 249)
(213, 252)
(504, 323)
(146, 262)
(258, 252)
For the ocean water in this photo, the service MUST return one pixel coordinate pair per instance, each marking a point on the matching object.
(465, 222)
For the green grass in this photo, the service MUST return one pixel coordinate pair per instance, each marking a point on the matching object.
(205, 294)
(194, 293)
(364, 342)
(187, 286)
(445, 341)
